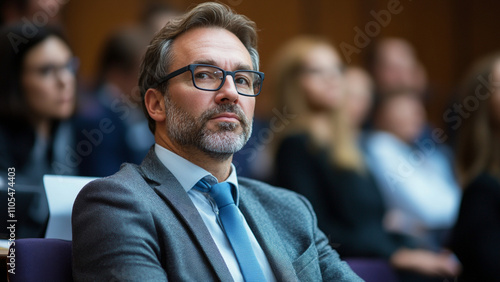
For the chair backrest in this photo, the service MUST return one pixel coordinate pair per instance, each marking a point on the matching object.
(372, 270)
(40, 259)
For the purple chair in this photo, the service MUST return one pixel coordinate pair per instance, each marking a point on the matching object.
(40, 259)
(372, 270)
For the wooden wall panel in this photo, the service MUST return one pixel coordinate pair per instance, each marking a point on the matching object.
(89, 22)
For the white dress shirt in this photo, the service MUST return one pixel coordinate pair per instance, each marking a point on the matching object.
(418, 182)
(188, 174)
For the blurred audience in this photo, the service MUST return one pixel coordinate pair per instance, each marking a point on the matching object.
(415, 175)
(476, 237)
(317, 156)
(116, 100)
(37, 82)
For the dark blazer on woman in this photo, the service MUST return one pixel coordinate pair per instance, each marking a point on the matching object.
(348, 204)
(476, 236)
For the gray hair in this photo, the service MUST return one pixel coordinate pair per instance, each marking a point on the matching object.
(158, 57)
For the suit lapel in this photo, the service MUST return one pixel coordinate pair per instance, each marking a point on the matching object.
(176, 197)
(267, 236)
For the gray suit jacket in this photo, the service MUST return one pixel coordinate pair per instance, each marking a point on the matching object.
(140, 225)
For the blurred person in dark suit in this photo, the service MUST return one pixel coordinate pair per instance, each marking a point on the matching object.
(116, 100)
(476, 236)
(37, 88)
(318, 156)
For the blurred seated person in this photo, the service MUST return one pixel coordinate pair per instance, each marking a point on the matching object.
(415, 175)
(477, 231)
(38, 85)
(394, 64)
(318, 157)
(37, 82)
(116, 103)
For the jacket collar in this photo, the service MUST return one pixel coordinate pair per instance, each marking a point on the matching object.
(267, 236)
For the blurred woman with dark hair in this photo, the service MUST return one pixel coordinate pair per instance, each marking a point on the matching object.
(115, 98)
(476, 237)
(37, 86)
(37, 89)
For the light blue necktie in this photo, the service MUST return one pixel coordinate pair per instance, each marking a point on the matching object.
(235, 230)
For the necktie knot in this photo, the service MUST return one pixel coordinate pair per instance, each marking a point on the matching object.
(220, 192)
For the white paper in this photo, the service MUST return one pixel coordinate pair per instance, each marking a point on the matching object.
(61, 194)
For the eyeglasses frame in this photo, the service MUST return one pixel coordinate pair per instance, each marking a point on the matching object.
(192, 67)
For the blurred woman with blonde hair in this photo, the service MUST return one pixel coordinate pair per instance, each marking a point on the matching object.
(308, 82)
(476, 237)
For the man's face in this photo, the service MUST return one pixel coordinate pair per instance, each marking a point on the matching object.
(215, 122)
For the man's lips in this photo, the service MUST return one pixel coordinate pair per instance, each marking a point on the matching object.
(227, 117)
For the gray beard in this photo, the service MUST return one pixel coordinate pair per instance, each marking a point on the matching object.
(189, 131)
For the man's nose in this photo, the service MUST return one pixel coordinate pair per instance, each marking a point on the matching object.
(227, 93)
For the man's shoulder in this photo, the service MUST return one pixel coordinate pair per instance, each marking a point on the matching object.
(272, 195)
(258, 186)
(129, 177)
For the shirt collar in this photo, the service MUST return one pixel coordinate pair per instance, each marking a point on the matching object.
(188, 174)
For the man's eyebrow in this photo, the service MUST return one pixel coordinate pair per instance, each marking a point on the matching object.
(243, 67)
(213, 63)
(205, 62)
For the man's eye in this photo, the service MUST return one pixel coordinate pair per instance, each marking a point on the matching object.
(204, 75)
(241, 80)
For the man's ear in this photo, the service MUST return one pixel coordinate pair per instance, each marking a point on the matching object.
(155, 104)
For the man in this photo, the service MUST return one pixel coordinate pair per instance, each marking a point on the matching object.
(153, 222)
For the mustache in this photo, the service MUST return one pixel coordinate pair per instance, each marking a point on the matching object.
(225, 108)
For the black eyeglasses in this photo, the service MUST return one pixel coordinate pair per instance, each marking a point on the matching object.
(211, 78)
